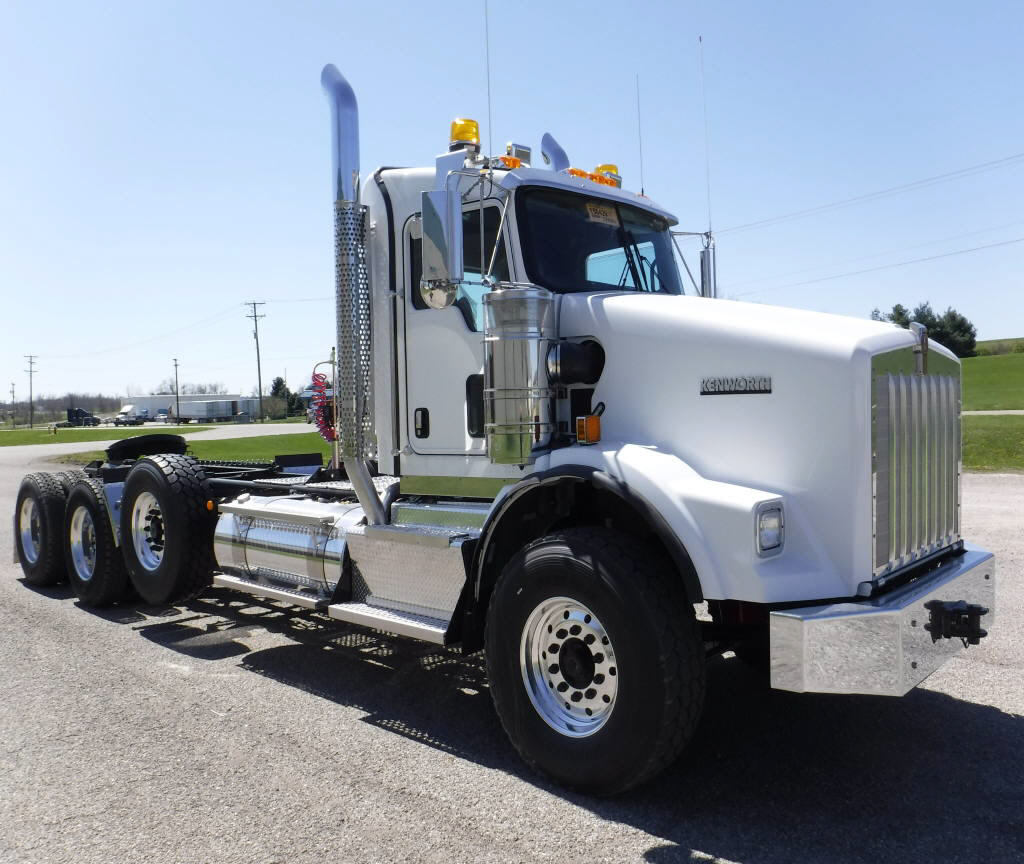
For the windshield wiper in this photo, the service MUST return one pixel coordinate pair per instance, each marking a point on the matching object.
(634, 259)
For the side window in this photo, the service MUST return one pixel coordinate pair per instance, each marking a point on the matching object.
(415, 271)
(468, 300)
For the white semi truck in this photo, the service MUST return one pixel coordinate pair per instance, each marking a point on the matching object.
(546, 451)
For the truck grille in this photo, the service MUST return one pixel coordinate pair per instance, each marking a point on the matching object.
(916, 461)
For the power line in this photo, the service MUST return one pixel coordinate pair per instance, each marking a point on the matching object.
(845, 261)
(886, 266)
(256, 336)
(31, 370)
(882, 193)
(192, 325)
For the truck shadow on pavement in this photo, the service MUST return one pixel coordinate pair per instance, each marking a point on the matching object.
(769, 777)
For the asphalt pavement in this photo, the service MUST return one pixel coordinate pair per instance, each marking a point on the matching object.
(236, 730)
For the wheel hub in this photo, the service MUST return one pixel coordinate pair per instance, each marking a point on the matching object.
(568, 667)
(30, 529)
(577, 663)
(82, 536)
(147, 525)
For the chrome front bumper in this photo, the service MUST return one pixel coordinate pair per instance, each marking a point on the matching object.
(878, 646)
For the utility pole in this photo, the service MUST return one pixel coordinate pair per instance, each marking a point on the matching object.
(31, 371)
(256, 336)
(13, 410)
(177, 398)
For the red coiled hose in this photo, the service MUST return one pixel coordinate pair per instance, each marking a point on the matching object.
(322, 414)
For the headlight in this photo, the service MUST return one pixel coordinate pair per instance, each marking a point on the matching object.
(771, 528)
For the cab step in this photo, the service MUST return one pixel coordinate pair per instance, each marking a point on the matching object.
(391, 621)
(296, 596)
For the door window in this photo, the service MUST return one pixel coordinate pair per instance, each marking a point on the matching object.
(468, 299)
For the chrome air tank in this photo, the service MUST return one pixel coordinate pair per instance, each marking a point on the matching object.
(519, 326)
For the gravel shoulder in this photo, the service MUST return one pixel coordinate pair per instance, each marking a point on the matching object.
(240, 730)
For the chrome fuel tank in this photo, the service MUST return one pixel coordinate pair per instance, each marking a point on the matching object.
(285, 538)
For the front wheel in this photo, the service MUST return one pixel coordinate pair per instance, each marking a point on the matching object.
(595, 659)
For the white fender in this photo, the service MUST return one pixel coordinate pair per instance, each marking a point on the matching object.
(715, 523)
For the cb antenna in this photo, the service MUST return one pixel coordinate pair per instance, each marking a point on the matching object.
(639, 133)
(707, 146)
(487, 50)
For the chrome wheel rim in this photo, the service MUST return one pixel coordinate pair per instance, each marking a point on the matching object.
(30, 529)
(568, 666)
(148, 531)
(82, 536)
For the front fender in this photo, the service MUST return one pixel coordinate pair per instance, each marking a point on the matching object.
(713, 521)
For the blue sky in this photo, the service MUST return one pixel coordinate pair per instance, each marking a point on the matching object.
(164, 162)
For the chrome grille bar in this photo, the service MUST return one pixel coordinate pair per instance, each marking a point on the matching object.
(916, 465)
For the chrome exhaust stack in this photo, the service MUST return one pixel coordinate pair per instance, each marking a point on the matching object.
(352, 292)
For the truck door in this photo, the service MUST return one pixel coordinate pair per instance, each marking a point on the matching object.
(444, 354)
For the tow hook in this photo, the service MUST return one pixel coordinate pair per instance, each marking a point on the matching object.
(955, 619)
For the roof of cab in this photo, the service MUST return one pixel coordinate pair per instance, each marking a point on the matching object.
(415, 179)
(561, 180)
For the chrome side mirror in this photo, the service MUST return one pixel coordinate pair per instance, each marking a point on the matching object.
(442, 269)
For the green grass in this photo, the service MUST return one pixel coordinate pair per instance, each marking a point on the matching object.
(12, 437)
(994, 443)
(993, 383)
(261, 448)
(997, 346)
(990, 444)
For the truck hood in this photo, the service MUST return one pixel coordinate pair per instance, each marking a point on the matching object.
(668, 359)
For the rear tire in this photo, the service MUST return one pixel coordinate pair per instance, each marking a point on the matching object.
(613, 697)
(167, 529)
(67, 479)
(38, 529)
(95, 566)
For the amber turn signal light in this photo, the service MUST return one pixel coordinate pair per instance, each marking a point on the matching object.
(588, 429)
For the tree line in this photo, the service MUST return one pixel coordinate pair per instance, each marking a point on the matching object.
(950, 329)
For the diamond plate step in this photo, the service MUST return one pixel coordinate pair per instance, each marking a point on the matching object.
(299, 598)
(391, 621)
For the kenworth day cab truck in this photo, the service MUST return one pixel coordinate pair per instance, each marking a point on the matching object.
(545, 451)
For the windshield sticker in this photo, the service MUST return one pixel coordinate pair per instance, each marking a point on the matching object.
(603, 213)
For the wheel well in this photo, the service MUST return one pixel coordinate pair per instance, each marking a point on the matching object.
(545, 503)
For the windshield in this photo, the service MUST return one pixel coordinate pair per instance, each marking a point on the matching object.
(573, 243)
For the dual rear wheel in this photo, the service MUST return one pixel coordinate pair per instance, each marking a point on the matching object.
(64, 530)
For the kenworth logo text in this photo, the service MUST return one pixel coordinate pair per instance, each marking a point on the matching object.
(739, 384)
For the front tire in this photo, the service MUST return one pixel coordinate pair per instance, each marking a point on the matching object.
(595, 659)
(167, 529)
(95, 566)
(38, 528)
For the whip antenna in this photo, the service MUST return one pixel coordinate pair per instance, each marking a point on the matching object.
(639, 133)
(487, 49)
(707, 146)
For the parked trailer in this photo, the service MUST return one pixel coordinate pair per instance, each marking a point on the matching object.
(545, 451)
